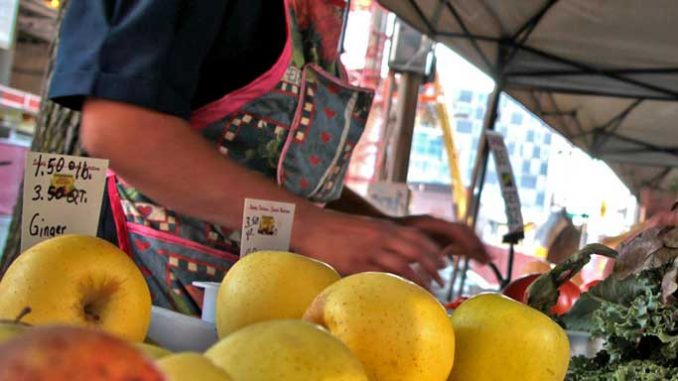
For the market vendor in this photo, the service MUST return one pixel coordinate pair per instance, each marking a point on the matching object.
(201, 104)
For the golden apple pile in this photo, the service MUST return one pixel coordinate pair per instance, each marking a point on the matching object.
(280, 316)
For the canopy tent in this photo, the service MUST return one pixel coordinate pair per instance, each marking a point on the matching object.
(602, 73)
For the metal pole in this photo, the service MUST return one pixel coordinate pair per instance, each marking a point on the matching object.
(453, 278)
(344, 22)
(478, 179)
(388, 124)
(408, 94)
(509, 266)
(6, 59)
(7, 55)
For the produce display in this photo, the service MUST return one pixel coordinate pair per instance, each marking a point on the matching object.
(521, 343)
(191, 366)
(398, 330)
(78, 280)
(77, 308)
(269, 285)
(568, 293)
(153, 351)
(11, 328)
(70, 353)
(285, 350)
(635, 312)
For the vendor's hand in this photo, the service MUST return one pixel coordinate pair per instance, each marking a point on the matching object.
(455, 238)
(353, 244)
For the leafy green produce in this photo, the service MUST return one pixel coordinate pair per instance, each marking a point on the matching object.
(542, 294)
(635, 311)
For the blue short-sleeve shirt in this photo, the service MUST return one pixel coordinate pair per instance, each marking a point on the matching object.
(171, 56)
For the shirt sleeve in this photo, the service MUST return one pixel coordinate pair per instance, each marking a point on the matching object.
(144, 52)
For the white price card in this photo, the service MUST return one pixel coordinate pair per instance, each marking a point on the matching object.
(62, 195)
(266, 225)
(507, 182)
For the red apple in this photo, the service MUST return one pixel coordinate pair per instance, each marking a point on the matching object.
(64, 353)
(569, 293)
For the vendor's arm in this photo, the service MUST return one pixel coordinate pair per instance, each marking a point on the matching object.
(161, 156)
(132, 66)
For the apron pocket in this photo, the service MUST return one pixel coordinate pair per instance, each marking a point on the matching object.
(171, 264)
(252, 141)
(328, 123)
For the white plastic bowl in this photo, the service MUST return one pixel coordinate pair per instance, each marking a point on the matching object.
(581, 343)
(180, 333)
(209, 300)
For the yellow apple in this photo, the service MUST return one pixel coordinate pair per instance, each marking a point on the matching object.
(68, 353)
(501, 339)
(78, 280)
(290, 350)
(153, 351)
(397, 329)
(269, 285)
(9, 330)
(189, 366)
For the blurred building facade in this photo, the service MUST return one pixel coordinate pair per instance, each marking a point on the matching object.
(551, 174)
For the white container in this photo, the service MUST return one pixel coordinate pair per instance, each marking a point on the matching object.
(209, 299)
(581, 343)
(180, 333)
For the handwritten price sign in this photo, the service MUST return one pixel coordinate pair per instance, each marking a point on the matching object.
(266, 225)
(62, 195)
(507, 182)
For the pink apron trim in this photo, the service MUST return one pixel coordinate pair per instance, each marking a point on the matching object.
(297, 113)
(118, 216)
(235, 100)
(147, 231)
(294, 126)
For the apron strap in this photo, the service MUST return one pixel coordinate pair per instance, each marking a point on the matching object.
(118, 215)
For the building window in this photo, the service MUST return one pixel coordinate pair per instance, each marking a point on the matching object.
(536, 152)
(543, 169)
(540, 199)
(529, 182)
(530, 136)
(526, 166)
(547, 138)
(463, 110)
(480, 113)
(511, 148)
(464, 126)
(517, 118)
(465, 96)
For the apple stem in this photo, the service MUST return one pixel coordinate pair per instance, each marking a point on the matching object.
(90, 314)
(22, 314)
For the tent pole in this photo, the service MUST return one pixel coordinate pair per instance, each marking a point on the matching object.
(406, 111)
(478, 178)
(483, 152)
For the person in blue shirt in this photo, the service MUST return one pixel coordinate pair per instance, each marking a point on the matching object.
(200, 104)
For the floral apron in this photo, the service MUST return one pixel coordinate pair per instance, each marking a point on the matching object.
(297, 124)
